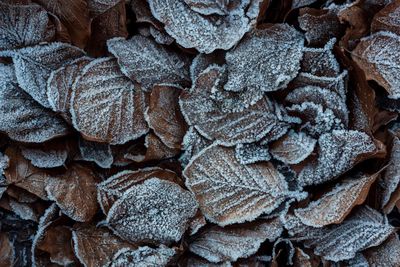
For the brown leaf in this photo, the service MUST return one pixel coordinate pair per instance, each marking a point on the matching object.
(253, 189)
(114, 187)
(96, 246)
(74, 192)
(49, 155)
(386, 254)
(103, 89)
(387, 19)
(164, 117)
(98, 7)
(7, 252)
(144, 255)
(333, 206)
(358, 25)
(302, 259)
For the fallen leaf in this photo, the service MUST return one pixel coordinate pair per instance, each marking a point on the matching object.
(99, 153)
(387, 19)
(7, 252)
(386, 254)
(143, 256)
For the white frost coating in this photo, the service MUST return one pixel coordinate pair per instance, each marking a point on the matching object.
(45, 158)
(4, 162)
(192, 143)
(143, 60)
(205, 33)
(293, 148)
(156, 211)
(160, 36)
(7, 74)
(217, 244)
(251, 153)
(266, 60)
(338, 151)
(105, 105)
(143, 257)
(96, 152)
(209, 7)
(23, 210)
(25, 120)
(229, 192)
(33, 66)
(379, 57)
(23, 25)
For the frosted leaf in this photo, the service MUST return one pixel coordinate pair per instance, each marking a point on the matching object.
(193, 143)
(280, 245)
(224, 116)
(293, 148)
(335, 84)
(229, 192)
(390, 181)
(320, 25)
(378, 56)
(59, 85)
(197, 223)
(164, 117)
(23, 210)
(358, 261)
(320, 96)
(7, 250)
(333, 206)
(7, 74)
(4, 163)
(24, 175)
(301, 3)
(46, 157)
(200, 262)
(149, 63)
(96, 246)
(209, 7)
(365, 228)
(105, 105)
(143, 257)
(317, 120)
(115, 186)
(203, 61)
(143, 14)
(266, 60)
(387, 19)
(205, 33)
(25, 120)
(251, 153)
(98, 7)
(74, 192)
(74, 15)
(33, 66)
(96, 152)
(387, 254)
(155, 211)
(160, 36)
(24, 25)
(338, 152)
(217, 244)
(320, 61)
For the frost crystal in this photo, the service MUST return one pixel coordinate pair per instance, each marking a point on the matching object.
(148, 63)
(266, 60)
(338, 151)
(155, 211)
(105, 105)
(143, 257)
(251, 153)
(194, 30)
(33, 66)
(24, 25)
(45, 158)
(96, 152)
(252, 189)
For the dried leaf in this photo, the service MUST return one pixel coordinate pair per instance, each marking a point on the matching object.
(105, 105)
(217, 244)
(149, 63)
(205, 33)
(74, 15)
(377, 56)
(387, 254)
(24, 25)
(333, 206)
(98, 7)
(154, 211)
(114, 187)
(192, 144)
(33, 66)
(59, 85)
(219, 115)
(25, 120)
(267, 60)
(96, 246)
(143, 256)
(251, 153)
(50, 156)
(252, 189)
(365, 228)
(338, 152)
(74, 192)
(293, 148)
(164, 117)
(96, 152)
(7, 253)
(160, 36)
(387, 19)
(209, 7)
